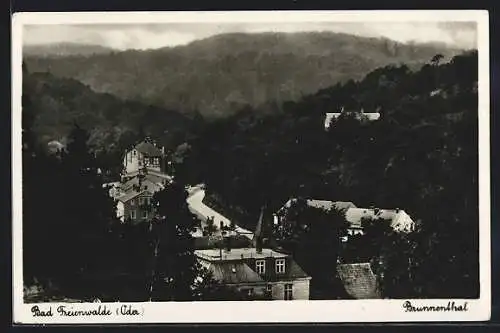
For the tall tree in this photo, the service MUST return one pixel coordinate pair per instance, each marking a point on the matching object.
(174, 266)
(313, 236)
(88, 212)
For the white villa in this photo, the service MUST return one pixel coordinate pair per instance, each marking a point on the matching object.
(361, 115)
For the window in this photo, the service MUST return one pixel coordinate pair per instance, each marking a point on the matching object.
(133, 214)
(157, 161)
(132, 202)
(144, 214)
(260, 266)
(280, 266)
(288, 292)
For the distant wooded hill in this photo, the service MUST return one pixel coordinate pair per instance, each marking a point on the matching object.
(59, 103)
(219, 75)
(64, 49)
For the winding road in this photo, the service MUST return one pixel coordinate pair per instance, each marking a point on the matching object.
(203, 212)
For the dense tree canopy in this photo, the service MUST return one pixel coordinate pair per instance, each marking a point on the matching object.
(421, 156)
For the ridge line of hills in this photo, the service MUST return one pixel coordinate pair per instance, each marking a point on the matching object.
(220, 75)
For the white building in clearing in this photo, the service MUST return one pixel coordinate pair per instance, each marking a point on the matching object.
(399, 220)
(361, 115)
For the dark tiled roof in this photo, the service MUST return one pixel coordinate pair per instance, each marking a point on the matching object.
(207, 242)
(235, 263)
(294, 271)
(359, 281)
(355, 215)
(132, 194)
(150, 181)
(234, 272)
(323, 204)
(327, 205)
(148, 149)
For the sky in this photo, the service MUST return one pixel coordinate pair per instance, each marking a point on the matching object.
(151, 36)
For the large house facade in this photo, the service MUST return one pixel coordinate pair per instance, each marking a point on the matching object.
(135, 207)
(262, 273)
(143, 175)
(398, 219)
(146, 154)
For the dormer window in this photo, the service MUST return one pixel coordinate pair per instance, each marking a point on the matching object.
(260, 266)
(280, 266)
(132, 202)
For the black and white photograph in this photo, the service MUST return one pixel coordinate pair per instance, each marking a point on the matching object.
(284, 166)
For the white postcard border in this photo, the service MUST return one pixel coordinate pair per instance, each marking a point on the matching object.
(262, 311)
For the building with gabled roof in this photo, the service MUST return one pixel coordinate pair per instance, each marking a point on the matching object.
(144, 155)
(257, 272)
(359, 115)
(323, 204)
(135, 206)
(399, 219)
(143, 175)
(327, 205)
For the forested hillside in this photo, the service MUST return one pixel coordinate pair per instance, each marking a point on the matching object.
(422, 156)
(219, 75)
(64, 49)
(113, 123)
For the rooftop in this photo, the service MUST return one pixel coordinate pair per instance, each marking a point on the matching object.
(131, 195)
(371, 116)
(359, 281)
(237, 254)
(355, 215)
(232, 273)
(323, 204)
(152, 175)
(150, 181)
(149, 149)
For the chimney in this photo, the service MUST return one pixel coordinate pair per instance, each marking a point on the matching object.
(257, 236)
(258, 245)
(227, 243)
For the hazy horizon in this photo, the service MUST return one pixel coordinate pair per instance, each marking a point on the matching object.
(153, 36)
